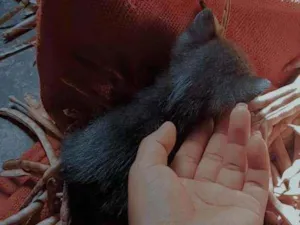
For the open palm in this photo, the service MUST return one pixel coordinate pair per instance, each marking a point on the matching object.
(219, 178)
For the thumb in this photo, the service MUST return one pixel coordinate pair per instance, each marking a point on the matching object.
(155, 148)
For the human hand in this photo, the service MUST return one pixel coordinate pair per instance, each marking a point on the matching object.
(227, 185)
(276, 109)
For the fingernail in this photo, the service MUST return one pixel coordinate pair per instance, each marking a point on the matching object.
(165, 127)
(257, 133)
(242, 105)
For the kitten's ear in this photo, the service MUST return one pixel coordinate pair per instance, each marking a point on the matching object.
(203, 28)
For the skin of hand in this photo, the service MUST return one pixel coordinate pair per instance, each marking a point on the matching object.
(217, 177)
(272, 111)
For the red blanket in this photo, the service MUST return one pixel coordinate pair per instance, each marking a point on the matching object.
(94, 54)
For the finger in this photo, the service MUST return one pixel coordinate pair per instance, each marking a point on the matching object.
(266, 130)
(258, 181)
(264, 100)
(257, 176)
(283, 160)
(296, 148)
(284, 112)
(275, 105)
(271, 218)
(270, 132)
(211, 161)
(282, 128)
(277, 130)
(155, 148)
(234, 163)
(239, 125)
(188, 156)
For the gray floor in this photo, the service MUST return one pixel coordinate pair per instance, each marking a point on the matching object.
(17, 77)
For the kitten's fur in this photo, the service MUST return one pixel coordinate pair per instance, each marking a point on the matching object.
(207, 75)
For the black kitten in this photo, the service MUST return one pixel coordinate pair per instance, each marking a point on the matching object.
(207, 76)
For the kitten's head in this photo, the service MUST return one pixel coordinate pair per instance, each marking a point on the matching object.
(207, 68)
